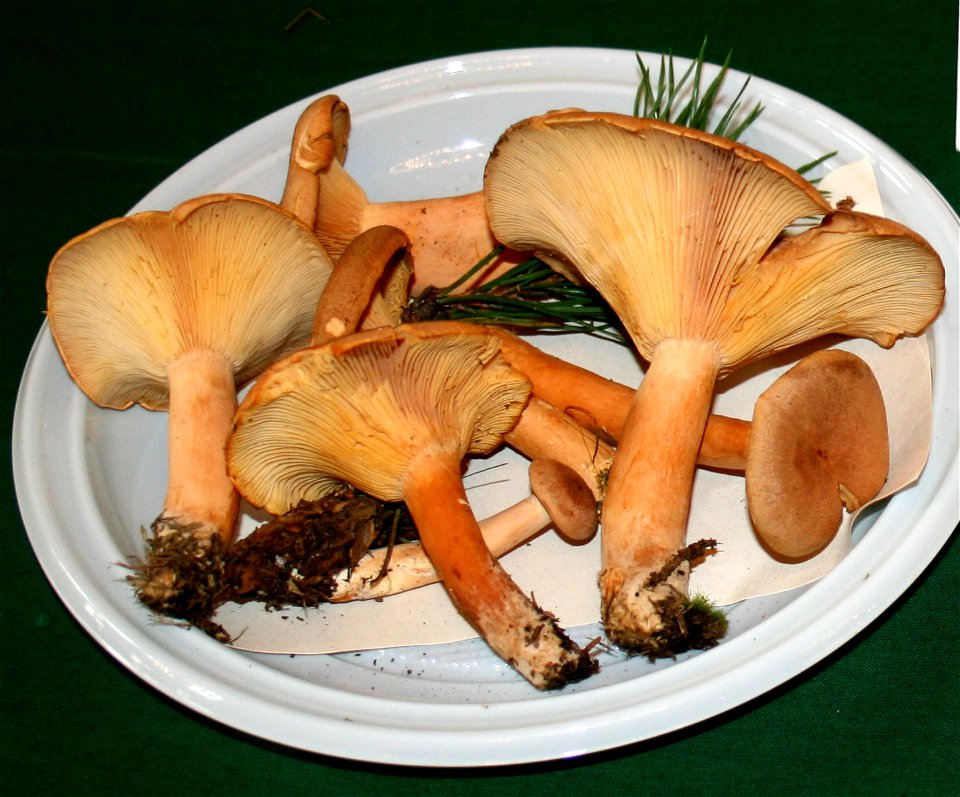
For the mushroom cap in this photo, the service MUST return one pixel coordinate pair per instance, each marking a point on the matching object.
(567, 498)
(224, 272)
(663, 220)
(853, 274)
(819, 441)
(359, 408)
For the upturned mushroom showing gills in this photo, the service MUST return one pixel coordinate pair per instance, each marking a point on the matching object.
(173, 310)
(394, 412)
(673, 227)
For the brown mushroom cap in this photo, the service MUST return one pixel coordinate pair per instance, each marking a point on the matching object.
(227, 273)
(566, 497)
(819, 441)
(358, 408)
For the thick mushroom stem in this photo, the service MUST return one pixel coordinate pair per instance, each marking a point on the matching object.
(644, 517)
(203, 400)
(486, 596)
(200, 509)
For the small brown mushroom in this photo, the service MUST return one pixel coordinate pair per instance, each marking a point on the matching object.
(173, 310)
(393, 412)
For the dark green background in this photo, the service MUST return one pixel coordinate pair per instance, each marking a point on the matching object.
(100, 101)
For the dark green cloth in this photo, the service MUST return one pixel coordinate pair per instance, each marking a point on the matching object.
(102, 100)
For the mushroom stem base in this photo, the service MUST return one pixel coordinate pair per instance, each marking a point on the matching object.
(513, 625)
(652, 614)
(182, 574)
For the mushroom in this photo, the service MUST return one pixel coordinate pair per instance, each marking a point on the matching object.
(819, 432)
(448, 235)
(172, 310)
(673, 227)
(559, 498)
(394, 411)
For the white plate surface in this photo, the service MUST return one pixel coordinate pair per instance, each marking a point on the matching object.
(87, 479)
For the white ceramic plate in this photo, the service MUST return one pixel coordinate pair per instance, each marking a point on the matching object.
(87, 479)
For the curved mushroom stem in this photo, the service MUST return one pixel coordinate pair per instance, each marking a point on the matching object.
(486, 596)
(201, 505)
(644, 516)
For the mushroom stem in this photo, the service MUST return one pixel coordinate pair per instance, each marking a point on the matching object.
(198, 521)
(725, 443)
(570, 400)
(486, 596)
(547, 432)
(596, 402)
(203, 400)
(644, 517)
